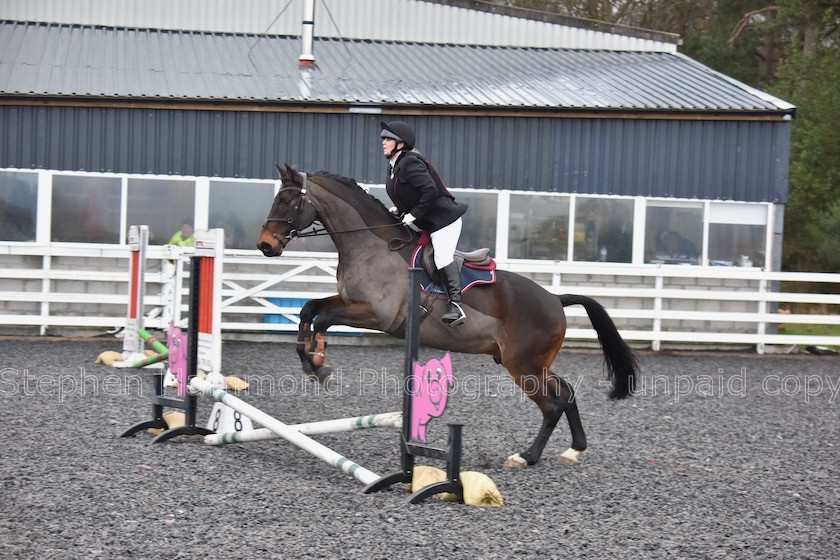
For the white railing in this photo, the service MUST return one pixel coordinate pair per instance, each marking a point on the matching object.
(58, 287)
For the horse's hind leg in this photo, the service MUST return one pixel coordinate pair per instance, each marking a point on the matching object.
(554, 396)
(578, 447)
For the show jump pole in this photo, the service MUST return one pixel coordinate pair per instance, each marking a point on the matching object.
(285, 431)
(312, 428)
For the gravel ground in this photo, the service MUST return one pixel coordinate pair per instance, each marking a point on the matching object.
(718, 456)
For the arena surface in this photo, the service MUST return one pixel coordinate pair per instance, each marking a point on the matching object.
(717, 456)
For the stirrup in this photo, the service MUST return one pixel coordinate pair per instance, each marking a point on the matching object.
(454, 321)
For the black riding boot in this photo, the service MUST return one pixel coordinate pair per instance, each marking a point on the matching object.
(451, 278)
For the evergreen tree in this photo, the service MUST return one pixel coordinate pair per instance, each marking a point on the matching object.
(790, 48)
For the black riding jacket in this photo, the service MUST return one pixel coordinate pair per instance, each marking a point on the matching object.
(415, 186)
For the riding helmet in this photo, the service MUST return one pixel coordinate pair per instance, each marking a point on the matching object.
(399, 131)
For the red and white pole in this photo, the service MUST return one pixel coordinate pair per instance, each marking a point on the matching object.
(138, 242)
(210, 246)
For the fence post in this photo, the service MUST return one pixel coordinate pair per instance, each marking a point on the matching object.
(762, 314)
(655, 343)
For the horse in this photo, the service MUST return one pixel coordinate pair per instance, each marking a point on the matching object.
(514, 320)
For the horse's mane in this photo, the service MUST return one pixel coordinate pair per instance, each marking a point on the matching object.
(352, 184)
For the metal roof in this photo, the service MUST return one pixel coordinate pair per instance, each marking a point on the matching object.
(39, 59)
(432, 21)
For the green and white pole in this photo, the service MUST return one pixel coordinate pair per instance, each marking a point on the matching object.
(384, 420)
(155, 343)
(284, 431)
(151, 359)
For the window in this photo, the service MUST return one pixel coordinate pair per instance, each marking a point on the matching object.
(479, 228)
(162, 204)
(240, 208)
(18, 206)
(673, 232)
(603, 230)
(86, 209)
(539, 227)
(737, 234)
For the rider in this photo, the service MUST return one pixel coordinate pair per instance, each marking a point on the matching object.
(419, 195)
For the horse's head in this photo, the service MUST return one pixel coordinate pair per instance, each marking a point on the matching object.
(290, 213)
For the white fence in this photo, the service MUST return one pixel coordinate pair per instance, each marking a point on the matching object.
(82, 288)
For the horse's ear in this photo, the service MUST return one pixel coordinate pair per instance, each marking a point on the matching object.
(286, 175)
(291, 175)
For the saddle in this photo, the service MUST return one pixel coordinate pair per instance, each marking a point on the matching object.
(478, 259)
(476, 267)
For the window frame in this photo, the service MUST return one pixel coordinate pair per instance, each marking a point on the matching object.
(762, 213)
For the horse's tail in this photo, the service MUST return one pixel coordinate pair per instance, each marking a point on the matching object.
(621, 361)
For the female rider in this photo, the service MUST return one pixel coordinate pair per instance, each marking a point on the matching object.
(420, 196)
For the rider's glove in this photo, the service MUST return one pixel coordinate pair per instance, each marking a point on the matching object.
(408, 219)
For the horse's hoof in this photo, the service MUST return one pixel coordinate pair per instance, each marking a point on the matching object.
(516, 462)
(570, 457)
(317, 358)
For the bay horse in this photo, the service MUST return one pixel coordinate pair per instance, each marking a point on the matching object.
(516, 321)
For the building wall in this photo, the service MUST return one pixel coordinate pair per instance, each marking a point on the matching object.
(703, 159)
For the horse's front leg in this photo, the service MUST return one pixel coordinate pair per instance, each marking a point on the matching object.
(320, 316)
(311, 349)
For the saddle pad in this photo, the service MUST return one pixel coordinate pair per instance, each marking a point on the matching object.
(469, 276)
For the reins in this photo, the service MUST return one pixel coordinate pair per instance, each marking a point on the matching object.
(400, 243)
(294, 233)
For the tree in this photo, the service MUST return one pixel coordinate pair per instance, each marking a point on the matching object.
(790, 48)
(810, 81)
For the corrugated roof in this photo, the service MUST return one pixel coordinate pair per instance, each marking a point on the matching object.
(465, 22)
(101, 62)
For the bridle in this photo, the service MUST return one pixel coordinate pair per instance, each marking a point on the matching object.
(295, 232)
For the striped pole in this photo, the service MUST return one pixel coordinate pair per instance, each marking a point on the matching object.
(284, 431)
(312, 428)
(157, 345)
(210, 246)
(151, 359)
(138, 241)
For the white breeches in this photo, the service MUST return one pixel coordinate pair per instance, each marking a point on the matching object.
(444, 241)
